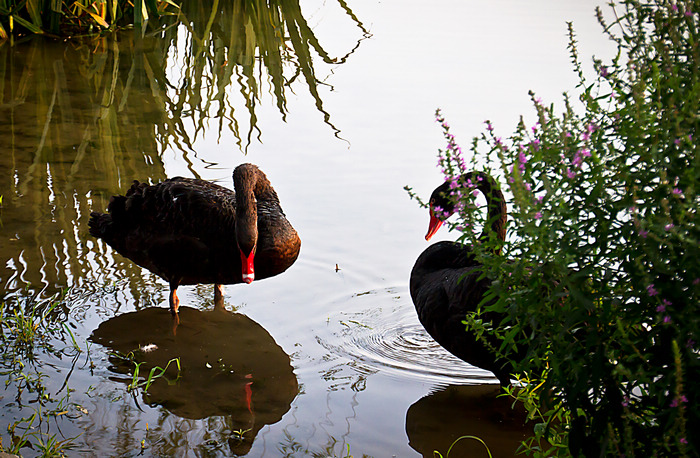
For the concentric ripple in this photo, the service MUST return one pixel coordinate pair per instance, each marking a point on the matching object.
(383, 334)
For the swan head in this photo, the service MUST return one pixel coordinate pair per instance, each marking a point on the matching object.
(441, 207)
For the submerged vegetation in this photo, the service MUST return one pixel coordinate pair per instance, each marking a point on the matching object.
(34, 343)
(604, 201)
(29, 334)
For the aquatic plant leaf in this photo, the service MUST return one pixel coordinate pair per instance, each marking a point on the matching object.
(99, 19)
(26, 24)
(34, 9)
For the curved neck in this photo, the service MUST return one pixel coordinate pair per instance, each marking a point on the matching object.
(250, 185)
(495, 203)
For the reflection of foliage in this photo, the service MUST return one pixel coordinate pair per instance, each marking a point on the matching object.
(67, 119)
(291, 448)
(235, 41)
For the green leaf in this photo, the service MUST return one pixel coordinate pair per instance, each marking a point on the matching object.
(26, 24)
(34, 9)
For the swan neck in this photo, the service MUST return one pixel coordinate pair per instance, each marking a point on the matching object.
(495, 204)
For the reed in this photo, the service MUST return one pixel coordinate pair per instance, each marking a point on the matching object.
(81, 17)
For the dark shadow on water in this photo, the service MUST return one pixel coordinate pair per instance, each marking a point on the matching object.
(437, 420)
(231, 367)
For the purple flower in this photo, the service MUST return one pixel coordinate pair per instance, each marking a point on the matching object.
(661, 308)
(578, 160)
(522, 157)
(527, 186)
(569, 173)
(667, 319)
(651, 291)
(668, 227)
(538, 215)
(540, 198)
(499, 141)
(677, 192)
(568, 134)
(643, 234)
(677, 141)
(678, 401)
(683, 440)
(674, 7)
(625, 401)
(489, 127)
(604, 71)
(584, 152)
(688, 13)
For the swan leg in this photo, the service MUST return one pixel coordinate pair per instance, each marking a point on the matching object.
(173, 300)
(218, 296)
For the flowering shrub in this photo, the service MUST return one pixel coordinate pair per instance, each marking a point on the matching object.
(599, 278)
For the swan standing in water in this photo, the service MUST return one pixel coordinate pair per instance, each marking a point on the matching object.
(191, 231)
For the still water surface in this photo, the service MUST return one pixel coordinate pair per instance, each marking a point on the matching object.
(336, 105)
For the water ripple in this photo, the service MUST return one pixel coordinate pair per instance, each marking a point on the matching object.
(384, 335)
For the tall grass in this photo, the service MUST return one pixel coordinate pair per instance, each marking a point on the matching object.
(80, 17)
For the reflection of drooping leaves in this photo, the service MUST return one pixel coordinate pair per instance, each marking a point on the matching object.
(238, 45)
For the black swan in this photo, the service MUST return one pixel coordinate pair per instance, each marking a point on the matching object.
(445, 281)
(191, 231)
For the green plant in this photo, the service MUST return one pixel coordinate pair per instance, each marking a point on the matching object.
(155, 373)
(29, 327)
(66, 18)
(599, 280)
(437, 454)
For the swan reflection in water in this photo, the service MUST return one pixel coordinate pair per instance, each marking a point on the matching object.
(230, 366)
(435, 421)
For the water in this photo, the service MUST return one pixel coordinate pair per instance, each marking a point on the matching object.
(330, 353)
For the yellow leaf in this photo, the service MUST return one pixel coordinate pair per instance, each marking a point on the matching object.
(96, 17)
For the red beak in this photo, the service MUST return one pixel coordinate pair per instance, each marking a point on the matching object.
(434, 225)
(247, 267)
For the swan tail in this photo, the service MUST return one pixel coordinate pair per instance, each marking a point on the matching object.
(120, 209)
(100, 224)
